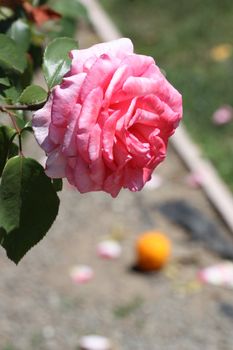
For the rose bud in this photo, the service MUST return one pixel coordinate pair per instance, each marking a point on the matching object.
(106, 126)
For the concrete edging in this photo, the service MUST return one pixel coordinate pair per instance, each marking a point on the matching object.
(213, 186)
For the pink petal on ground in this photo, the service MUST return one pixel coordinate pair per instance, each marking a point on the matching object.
(219, 275)
(109, 249)
(81, 274)
(194, 180)
(223, 115)
(94, 342)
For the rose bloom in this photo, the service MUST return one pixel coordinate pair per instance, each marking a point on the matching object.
(106, 126)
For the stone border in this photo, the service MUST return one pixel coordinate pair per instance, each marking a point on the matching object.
(214, 187)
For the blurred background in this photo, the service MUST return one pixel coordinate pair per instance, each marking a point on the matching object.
(72, 284)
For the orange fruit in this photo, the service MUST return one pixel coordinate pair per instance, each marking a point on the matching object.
(153, 250)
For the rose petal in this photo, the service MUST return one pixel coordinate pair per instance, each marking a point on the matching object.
(219, 275)
(109, 249)
(223, 115)
(117, 48)
(81, 274)
(99, 74)
(40, 123)
(65, 97)
(96, 166)
(55, 165)
(94, 342)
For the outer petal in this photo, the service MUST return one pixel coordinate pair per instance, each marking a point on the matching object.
(65, 97)
(40, 123)
(113, 184)
(133, 179)
(117, 48)
(56, 163)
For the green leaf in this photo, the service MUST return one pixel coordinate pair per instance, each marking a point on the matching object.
(56, 60)
(26, 77)
(57, 184)
(12, 93)
(33, 95)
(13, 151)
(6, 148)
(28, 206)
(69, 8)
(27, 127)
(20, 33)
(5, 81)
(12, 57)
(20, 118)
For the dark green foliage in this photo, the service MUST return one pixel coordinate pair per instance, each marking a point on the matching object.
(28, 206)
(7, 148)
(12, 57)
(33, 95)
(56, 60)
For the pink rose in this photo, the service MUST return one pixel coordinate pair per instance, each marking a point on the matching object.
(106, 126)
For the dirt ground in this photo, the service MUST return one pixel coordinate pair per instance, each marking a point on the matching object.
(42, 309)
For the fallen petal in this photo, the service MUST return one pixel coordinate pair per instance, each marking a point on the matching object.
(81, 274)
(218, 275)
(109, 249)
(223, 115)
(94, 342)
(194, 180)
